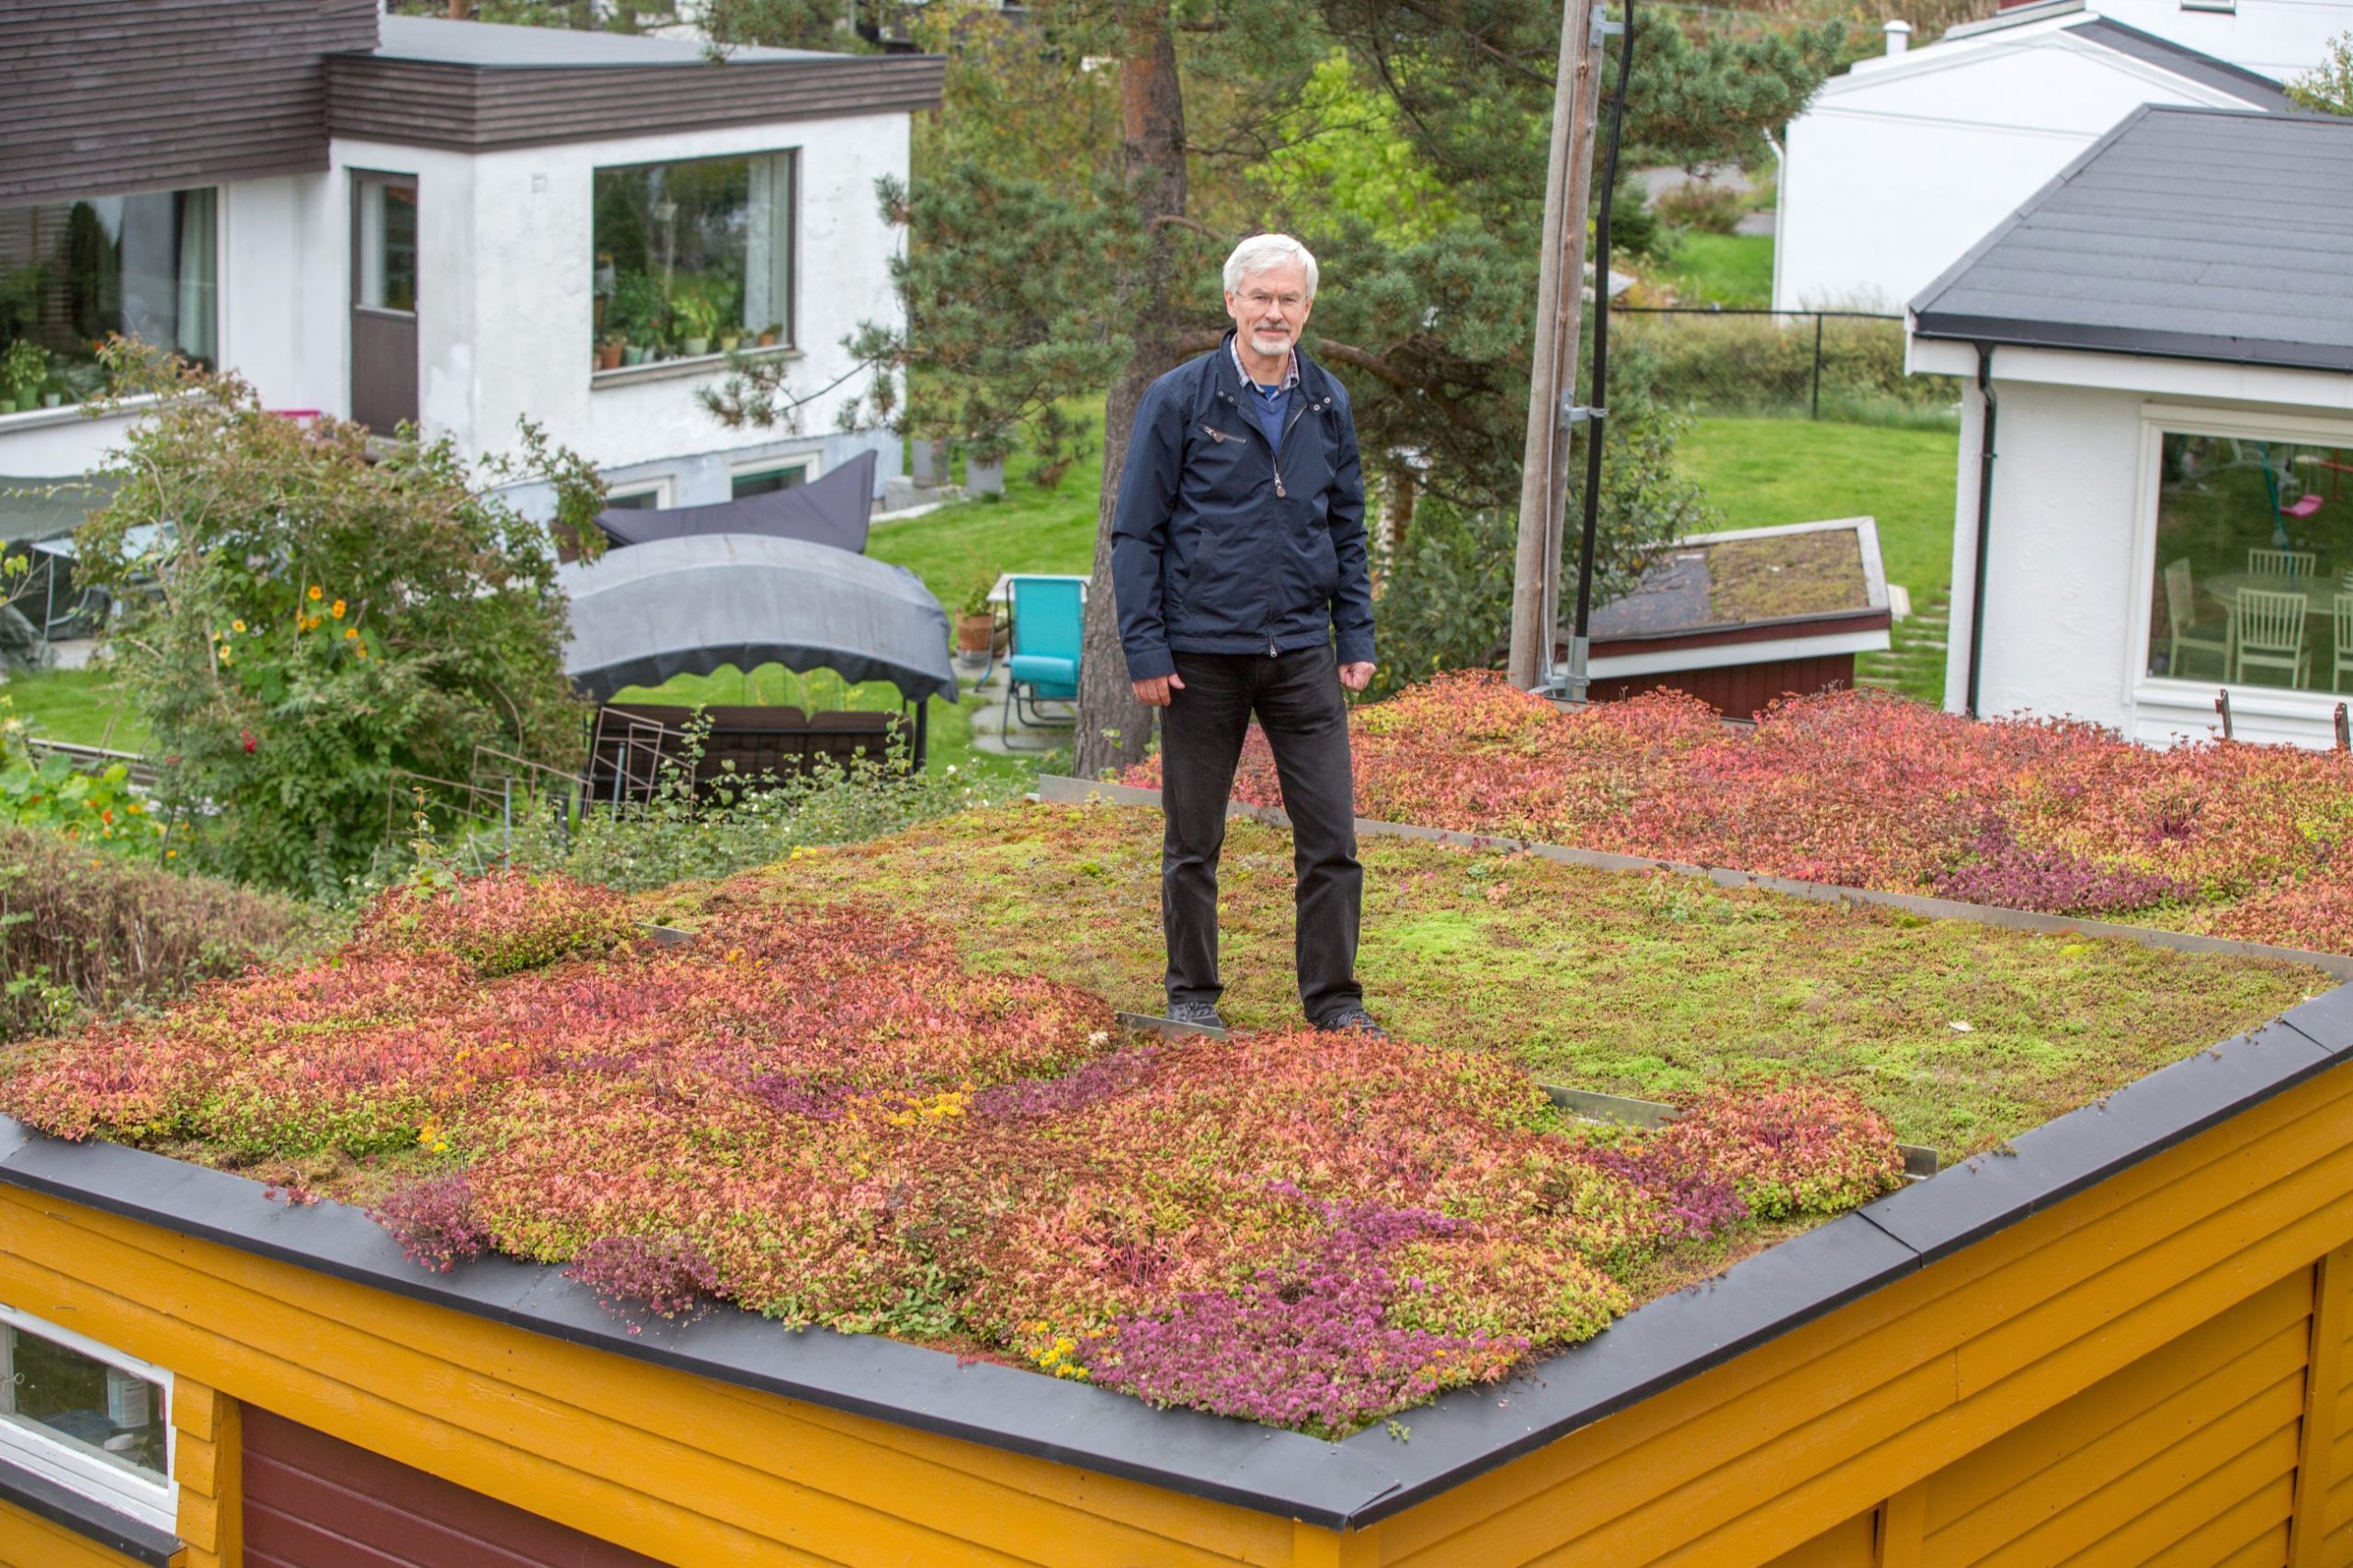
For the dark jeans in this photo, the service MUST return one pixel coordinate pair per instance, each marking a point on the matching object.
(1297, 699)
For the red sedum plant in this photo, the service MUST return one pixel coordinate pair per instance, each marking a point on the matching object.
(819, 1113)
(1868, 790)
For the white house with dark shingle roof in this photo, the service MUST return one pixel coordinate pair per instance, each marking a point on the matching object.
(1897, 166)
(2156, 446)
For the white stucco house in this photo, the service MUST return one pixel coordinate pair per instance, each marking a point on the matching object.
(1900, 164)
(2157, 433)
(388, 217)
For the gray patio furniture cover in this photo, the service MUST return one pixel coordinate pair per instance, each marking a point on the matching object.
(832, 510)
(687, 605)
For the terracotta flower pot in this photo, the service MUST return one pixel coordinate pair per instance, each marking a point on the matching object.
(975, 632)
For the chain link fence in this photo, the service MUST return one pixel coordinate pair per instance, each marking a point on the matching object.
(1834, 365)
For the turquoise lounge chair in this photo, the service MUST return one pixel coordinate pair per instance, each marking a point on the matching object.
(1049, 620)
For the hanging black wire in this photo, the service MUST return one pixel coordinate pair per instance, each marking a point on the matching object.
(1598, 395)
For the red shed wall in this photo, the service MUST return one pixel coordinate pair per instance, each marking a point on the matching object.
(314, 1501)
(1738, 691)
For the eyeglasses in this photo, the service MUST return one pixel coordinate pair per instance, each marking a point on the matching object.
(1257, 300)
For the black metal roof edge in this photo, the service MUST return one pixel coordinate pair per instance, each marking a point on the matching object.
(1355, 1482)
(1860, 1253)
(85, 1517)
(1868, 612)
(2011, 332)
(1921, 305)
(895, 64)
(1219, 1457)
(2151, 49)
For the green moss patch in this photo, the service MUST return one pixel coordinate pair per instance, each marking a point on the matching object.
(1962, 1035)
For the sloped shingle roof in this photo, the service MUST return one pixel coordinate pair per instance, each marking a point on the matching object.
(2192, 234)
(2189, 65)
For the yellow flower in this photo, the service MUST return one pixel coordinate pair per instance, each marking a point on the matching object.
(337, 611)
(351, 633)
(236, 626)
(317, 593)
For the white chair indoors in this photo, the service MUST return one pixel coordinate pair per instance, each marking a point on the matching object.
(2181, 620)
(2271, 635)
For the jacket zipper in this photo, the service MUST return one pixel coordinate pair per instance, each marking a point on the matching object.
(1274, 453)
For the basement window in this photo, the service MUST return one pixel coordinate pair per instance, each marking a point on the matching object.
(86, 1416)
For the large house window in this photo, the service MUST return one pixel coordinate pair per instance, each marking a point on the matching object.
(87, 1417)
(71, 273)
(693, 258)
(2253, 566)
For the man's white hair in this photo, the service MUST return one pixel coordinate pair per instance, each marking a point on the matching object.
(1259, 252)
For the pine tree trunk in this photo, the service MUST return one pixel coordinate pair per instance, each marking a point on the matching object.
(1114, 729)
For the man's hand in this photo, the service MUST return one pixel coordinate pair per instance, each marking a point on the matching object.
(1153, 693)
(1355, 678)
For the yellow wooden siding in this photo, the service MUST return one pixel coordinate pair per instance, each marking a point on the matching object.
(1853, 1544)
(207, 1461)
(2069, 1479)
(28, 1541)
(679, 1468)
(1745, 1462)
(2120, 1380)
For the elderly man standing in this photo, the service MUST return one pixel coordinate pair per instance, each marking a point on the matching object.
(1238, 556)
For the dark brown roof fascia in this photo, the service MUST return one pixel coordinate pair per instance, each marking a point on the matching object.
(109, 96)
(478, 109)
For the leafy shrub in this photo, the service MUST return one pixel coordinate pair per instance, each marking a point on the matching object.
(679, 834)
(322, 615)
(1727, 363)
(1446, 602)
(817, 1112)
(94, 807)
(1869, 790)
(1710, 209)
(87, 933)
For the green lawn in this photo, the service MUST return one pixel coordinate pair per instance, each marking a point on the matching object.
(78, 707)
(1721, 270)
(1761, 471)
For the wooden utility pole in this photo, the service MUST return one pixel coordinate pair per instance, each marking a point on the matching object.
(1552, 369)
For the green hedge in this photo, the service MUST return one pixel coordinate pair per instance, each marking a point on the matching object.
(83, 932)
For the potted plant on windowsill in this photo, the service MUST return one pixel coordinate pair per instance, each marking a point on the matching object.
(22, 371)
(697, 317)
(609, 348)
(771, 334)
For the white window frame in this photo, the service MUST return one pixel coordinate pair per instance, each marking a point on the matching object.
(2159, 420)
(657, 487)
(23, 1443)
(812, 464)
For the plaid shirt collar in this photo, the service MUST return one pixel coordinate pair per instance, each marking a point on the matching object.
(1291, 371)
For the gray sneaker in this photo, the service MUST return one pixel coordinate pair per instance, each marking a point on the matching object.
(1200, 1014)
(1353, 1021)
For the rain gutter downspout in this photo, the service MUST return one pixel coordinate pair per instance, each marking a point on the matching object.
(1985, 522)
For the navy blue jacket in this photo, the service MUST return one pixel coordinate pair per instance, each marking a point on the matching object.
(1224, 544)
